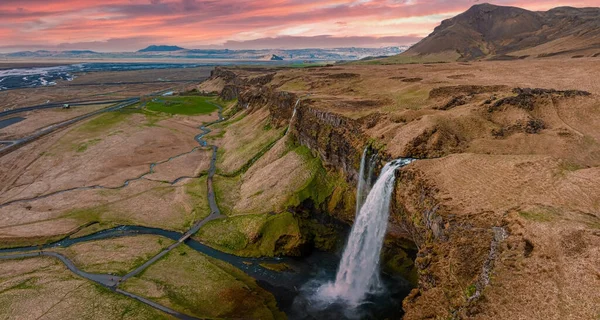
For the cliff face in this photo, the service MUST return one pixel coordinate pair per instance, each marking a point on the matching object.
(338, 140)
(481, 206)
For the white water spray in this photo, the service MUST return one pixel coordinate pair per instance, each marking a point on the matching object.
(358, 273)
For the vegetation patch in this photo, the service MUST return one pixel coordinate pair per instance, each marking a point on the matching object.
(82, 147)
(184, 105)
(227, 192)
(540, 214)
(254, 235)
(115, 256)
(44, 288)
(319, 188)
(410, 98)
(197, 192)
(192, 283)
(105, 121)
(244, 142)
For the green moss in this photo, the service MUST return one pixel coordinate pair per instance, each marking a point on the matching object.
(318, 188)
(192, 283)
(126, 307)
(320, 235)
(227, 192)
(540, 214)
(104, 121)
(86, 215)
(185, 105)
(197, 191)
(254, 235)
(397, 261)
(470, 290)
(252, 160)
(82, 147)
(566, 167)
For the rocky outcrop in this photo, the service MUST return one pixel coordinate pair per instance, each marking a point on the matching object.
(455, 208)
(455, 255)
(336, 139)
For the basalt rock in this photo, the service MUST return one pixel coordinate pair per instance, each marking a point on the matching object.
(451, 251)
(527, 97)
(450, 91)
(336, 139)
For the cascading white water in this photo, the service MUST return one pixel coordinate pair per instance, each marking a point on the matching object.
(293, 115)
(358, 273)
(365, 178)
(360, 188)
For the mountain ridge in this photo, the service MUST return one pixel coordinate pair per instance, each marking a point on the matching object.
(161, 48)
(487, 31)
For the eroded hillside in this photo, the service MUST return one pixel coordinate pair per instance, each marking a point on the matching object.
(487, 31)
(502, 205)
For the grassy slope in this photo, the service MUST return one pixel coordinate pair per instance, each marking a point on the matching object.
(260, 224)
(246, 135)
(195, 284)
(254, 235)
(190, 105)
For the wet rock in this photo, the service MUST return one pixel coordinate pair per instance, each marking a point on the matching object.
(454, 102)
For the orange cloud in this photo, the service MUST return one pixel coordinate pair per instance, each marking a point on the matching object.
(201, 23)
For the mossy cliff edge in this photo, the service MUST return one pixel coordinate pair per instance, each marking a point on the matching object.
(461, 225)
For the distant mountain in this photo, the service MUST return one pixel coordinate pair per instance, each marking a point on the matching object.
(57, 54)
(80, 52)
(487, 31)
(162, 48)
(174, 52)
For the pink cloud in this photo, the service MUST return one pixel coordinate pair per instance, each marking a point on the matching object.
(200, 23)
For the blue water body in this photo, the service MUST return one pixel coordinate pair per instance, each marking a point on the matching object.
(10, 121)
(48, 76)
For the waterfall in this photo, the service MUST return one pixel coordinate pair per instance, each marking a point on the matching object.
(358, 273)
(293, 115)
(360, 188)
(365, 182)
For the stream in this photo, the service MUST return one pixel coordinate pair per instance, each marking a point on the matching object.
(287, 287)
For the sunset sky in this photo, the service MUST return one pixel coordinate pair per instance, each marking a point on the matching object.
(126, 25)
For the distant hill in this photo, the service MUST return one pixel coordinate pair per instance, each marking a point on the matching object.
(488, 31)
(46, 53)
(175, 52)
(161, 48)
